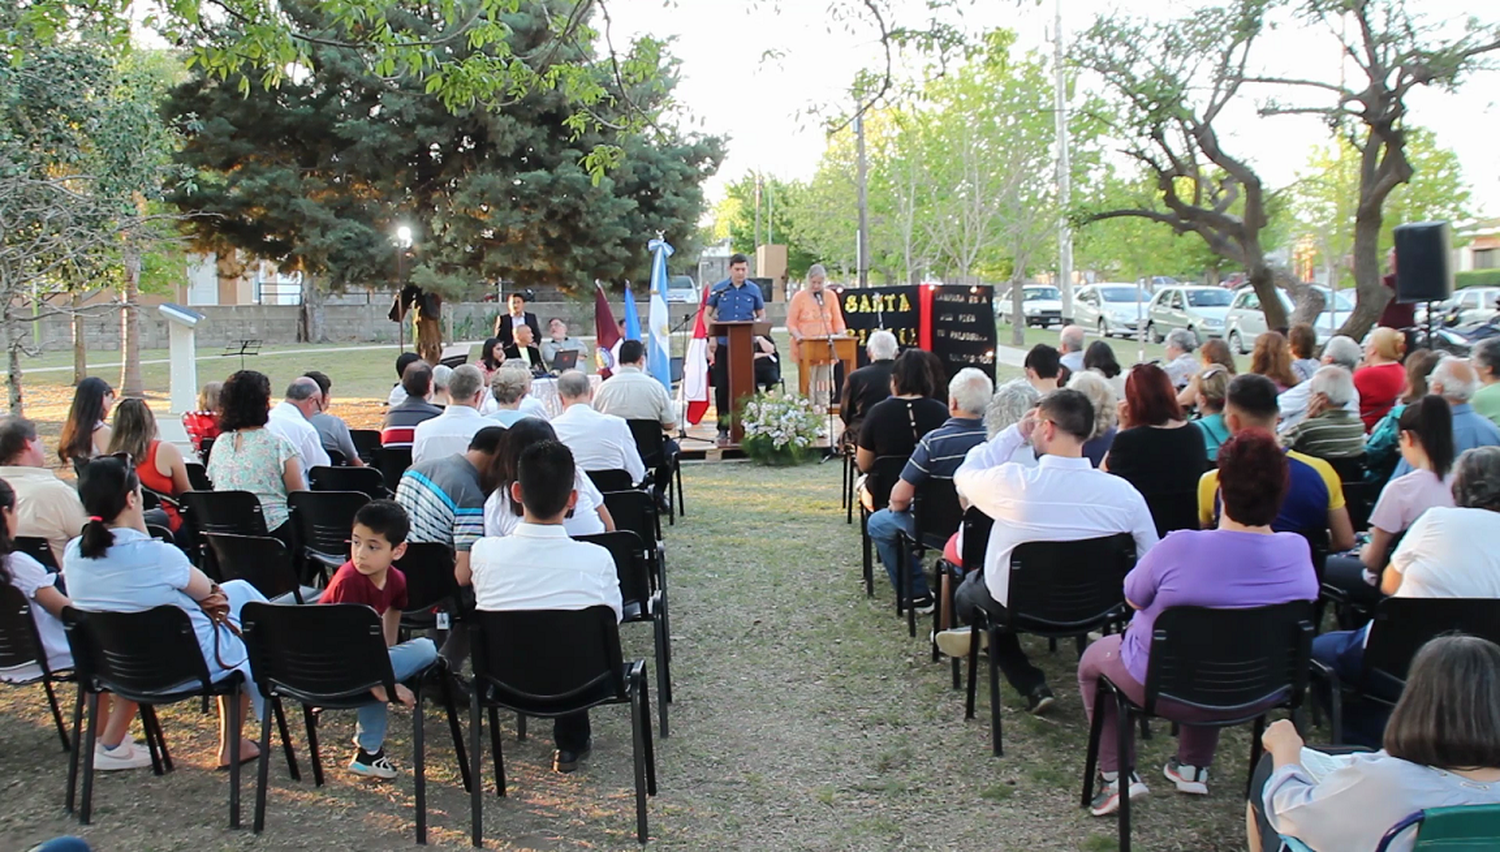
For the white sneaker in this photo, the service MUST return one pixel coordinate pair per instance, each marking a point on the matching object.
(126, 755)
(1107, 799)
(955, 642)
(1192, 780)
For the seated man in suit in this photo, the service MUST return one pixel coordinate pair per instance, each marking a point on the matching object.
(524, 350)
(507, 323)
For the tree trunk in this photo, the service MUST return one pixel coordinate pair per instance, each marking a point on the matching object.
(1017, 316)
(1370, 295)
(130, 327)
(80, 341)
(429, 336)
(1263, 279)
(313, 327)
(12, 348)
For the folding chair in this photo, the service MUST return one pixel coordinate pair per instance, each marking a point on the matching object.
(21, 645)
(263, 562)
(641, 604)
(652, 445)
(324, 521)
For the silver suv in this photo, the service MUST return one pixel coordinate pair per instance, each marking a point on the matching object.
(1198, 309)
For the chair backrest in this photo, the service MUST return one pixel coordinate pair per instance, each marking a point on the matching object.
(976, 539)
(260, 560)
(630, 562)
(1318, 544)
(936, 512)
(1173, 511)
(326, 654)
(1401, 626)
(1065, 587)
(882, 478)
(1359, 499)
(335, 458)
(1230, 660)
(366, 442)
(367, 480)
(392, 463)
(1462, 828)
(649, 441)
(38, 549)
(205, 449)
(232, 512)
(634, 511)
(19, 642)
(548, 677)
(611, 480)
(1351, 469)
(325, 519)
(161, 533)
(198, 476)
(428, 568)
(136, 654)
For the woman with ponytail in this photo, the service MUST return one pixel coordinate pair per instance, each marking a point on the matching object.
(116, 567)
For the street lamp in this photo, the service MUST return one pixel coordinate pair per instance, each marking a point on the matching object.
(403, 242)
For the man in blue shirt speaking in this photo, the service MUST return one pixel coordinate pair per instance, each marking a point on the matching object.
(731, 300)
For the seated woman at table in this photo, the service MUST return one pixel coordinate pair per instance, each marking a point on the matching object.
(1441, 750)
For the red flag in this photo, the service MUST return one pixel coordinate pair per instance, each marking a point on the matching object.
(695, 367)
(606, 332)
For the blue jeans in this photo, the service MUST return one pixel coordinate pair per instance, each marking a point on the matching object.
(407, 661)
(885, 528)
(1344, 652)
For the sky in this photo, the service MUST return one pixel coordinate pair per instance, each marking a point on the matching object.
(755, 71)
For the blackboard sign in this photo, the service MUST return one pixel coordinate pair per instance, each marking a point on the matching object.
(872, 308)
(963, 327)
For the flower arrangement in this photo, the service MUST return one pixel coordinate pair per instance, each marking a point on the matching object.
(779, 430)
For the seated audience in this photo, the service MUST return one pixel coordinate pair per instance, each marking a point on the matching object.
(1315, 495)
(401, 420)
(449, 433)
(1180, 364)
(1303, 341)
(1213, 352)
(251, 457)
(442, 374)
(158, 464)
(1042, 365)
(1006, 407)
(1272, 358)
(1440, 750)
(1240, 564)
(444, 497)
(895, 424)
(203, 424)
(868, 385)
(332, 430)
(767, 362)
(398, 393)
(1381, 377)
(1454, 380)
(937, 455)
(1070, 348)
(1485, 359)
(1100, 358)
(116, 567)
(1063, 498)
(289, 419)
(559, 341)
(1156, 450)
(937, 375)
(1106, 403)
(523, 350)
(1213, 386)
(1330, 430)
(502, 513)
(377, 540)
(46, 507)
(1382, 448)
(596, 441)
(85, 433)
(539, 567)
(1341, 351)
(491, 357)
(633, 394)
(511, 389)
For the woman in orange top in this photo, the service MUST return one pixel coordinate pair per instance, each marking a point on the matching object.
(814, 312)
(158, 464)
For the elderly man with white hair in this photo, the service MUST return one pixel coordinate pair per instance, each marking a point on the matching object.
(1181, 366)
(1330, 430)
(1454, 380)
(812, 316)
(598, 441)
(1006, 407)
(1070, 346)
(937, 456)
(870, 384)
(1341, 351)
(449, 433)
(289, 419)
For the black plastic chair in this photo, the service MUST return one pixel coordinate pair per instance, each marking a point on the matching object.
(882, 477)
(1241, 663)
(392, 462)
(936, 515)
(1400, 627)
(37, 548)
(641, 604)
(21, 645)
(431, 587)
(1351, 469)
(651, 443)
(263, 562)
(198, 476)
(152, 658)
(512, 671)
(637, 512)
(324, 521)
(1173, 511)
(330, 657)
(366, 442)
(851, 475)
(205, 449)
(161, 533)
(612, 480)
(366, 480)
(1056, 589)
(976, 526)
(1359, 500)
(232, 512)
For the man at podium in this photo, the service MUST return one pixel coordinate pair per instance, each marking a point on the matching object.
(732, 300)
(812, 318)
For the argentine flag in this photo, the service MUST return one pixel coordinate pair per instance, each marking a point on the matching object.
(658, 342)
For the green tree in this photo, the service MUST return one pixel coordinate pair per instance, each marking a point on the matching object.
(778, 201)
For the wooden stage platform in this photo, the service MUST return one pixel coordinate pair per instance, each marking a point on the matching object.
(699, 443)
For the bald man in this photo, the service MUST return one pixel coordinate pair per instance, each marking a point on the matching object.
(289, 420)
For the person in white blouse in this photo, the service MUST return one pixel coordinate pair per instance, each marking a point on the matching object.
(598, 441)
(1441, 749)
(502, 514)
(289, 420)
(539, 567)
(1063, 498)
(450, 432)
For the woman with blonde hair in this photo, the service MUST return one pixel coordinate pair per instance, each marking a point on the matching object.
(1382, 377)
(1213, 389)
(203, 424)
(1272, 358)
(1213, 352)
(1101, 393)
(158, 464)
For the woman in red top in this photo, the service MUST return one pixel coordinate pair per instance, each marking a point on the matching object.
(1382, 378)
(204, 423)
(158, 464)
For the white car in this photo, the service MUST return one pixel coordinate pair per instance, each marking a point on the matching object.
(1110, 309)
(1198, 309)
(1471, 305)
(1041, 304)
(681, 289)
(1246, 321)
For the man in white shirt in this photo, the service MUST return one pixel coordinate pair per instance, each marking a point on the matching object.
(633, 394)
(46, 507)
(598, 441)
(1070, 347)
(450, 432)
(538, 567)
(1063, 498)
(289, 420)
(1340, 351)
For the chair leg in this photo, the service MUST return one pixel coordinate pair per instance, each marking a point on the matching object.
(666, 641)
(311, 721)
(495, 753)
(1126, 765)
(646, 736)
(681, 499)
(869, 558)
(263, 772)
(153, 746)
(994, 667)
(639, 720)
(445, 683)
(419, 765)
(286, 740)
(1255, 748)
(74, 753)
(86, 807)
(903, 582)
(1091, 760)
(973, 683)
(57, 719)
(663, 678)
(233, 701)
(476, 754)
(912, 566)
(161, 741)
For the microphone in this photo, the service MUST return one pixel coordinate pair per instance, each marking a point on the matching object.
(818, 294)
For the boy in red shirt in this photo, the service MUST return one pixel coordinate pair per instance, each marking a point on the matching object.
(378, 539)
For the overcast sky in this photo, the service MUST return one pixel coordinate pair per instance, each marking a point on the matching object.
(731, 87)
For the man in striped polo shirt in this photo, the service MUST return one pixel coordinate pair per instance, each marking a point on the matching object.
(938, 454)
(1330, 430)
(400, 424)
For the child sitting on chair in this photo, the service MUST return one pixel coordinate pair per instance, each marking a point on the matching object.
(378, 539)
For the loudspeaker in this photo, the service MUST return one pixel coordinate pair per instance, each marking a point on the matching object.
(1424, 271)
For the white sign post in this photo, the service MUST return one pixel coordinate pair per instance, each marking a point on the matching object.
(184, 355)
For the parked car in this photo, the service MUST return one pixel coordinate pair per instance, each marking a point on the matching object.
(1041, 304)
(1198, 309)
(680, 288)
(1246, 321)
(1471, 305)
(1110, 309)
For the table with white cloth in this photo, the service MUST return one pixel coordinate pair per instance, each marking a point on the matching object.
(545, 390)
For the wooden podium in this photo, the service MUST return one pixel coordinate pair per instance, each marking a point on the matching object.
(741, 372)
(825, 350)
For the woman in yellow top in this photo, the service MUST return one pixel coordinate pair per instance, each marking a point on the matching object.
(814, 312)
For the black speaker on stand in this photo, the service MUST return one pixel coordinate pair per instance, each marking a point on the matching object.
(1424, 269)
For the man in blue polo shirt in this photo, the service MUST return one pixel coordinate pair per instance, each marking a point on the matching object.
(731, 300)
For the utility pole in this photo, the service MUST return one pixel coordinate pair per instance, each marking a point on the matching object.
(757, 210)
(862, 241)
(1064, 172)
